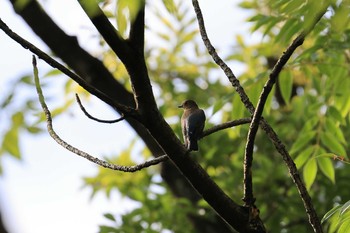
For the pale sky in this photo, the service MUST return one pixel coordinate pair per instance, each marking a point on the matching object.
(43, 192)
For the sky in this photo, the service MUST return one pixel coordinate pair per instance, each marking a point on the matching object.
(43, 192)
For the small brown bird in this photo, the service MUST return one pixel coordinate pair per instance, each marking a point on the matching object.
(192, 124)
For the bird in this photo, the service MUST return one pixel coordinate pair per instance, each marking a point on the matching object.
(192, 124)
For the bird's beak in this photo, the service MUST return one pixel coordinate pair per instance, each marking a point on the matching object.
(180, 106)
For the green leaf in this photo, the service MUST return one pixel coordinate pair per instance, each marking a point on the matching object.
(334, 129)
(332, 144)
(170, 6)
(326, 166)
(17, 119)
(345, 208)
(344, 226)
(303, 157)
(309, 172)
(330, 213)
(10, 142)
(290, 28)
(302, 141)
(109, 216)
(286, 85)
(7, 100)
(34, 129)
(27, 79)
(335, 114)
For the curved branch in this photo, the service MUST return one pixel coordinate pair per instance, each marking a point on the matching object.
(94, 118)
(79, 152)
(253, 129)
(280, 147)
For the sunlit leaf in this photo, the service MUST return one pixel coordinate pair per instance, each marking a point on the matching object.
(335, 130)
(326, 167)
(340, 19)
(286, 85)
(302, 141)
(345, 208)
(10, 143)
(344, 226)
(303, 157)
(330, 213)
(309, 172)
(335, 114)
(333, 144)
(34, 129)
(170, 6)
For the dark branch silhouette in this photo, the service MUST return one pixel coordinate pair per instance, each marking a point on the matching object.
(55, 64)
(130, 51)
(225, 125)
(185, 177)
(106, 29)
(94, 118)
(77, 151)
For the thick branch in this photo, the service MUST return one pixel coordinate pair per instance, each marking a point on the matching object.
(55, 64)
(106, 29)
(313, 218)
(95, 73)
(137, 30)
(67, 48)
(131, 57)
(77, 151)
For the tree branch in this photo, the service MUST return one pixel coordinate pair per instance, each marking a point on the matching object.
(137, 30)
(131, 57)
(106, 29)
(225, 125)
(253, 129)
(77, 151)
(95, 73)
(55, 64)
(280, 147)
(94, 118)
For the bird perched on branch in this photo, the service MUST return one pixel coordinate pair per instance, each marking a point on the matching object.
(192, 124)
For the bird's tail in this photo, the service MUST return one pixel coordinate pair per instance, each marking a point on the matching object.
(193, 145)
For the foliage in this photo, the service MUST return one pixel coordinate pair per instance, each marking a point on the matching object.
(309, 110)
(338, 218)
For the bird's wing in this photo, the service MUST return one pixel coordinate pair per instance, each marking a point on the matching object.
(195, 122)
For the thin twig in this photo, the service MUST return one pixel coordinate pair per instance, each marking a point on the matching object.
(253, 129)
(94, 118)
(280, 147)
(81, 153)
(225, 125)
